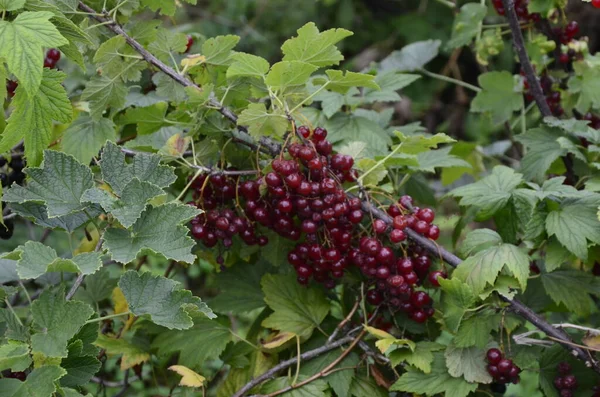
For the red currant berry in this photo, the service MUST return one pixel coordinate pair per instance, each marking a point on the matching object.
(435, 276)
(319, 134)
(569, 382)
(395, 281)
(564, 58)
(304, 131)
(404, 265)
(433, 232)
(420, 299)
(397, 236)
(54, 54)
(418, 316)
(421, 227)
(379, 226)
(564, 368)
(400, 222)
(596, 3)
(426, 214)
(188, 45)
(504, 366)
(493, 356)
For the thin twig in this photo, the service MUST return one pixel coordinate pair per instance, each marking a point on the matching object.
(80, 278)
(342, 324)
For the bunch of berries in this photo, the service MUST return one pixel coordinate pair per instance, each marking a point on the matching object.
(500, 368)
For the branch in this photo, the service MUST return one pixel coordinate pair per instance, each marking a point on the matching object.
(80, 278)
(534, 84)
(292, 361)
(273, 148)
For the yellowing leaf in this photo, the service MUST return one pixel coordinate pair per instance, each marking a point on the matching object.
(132, 354)
(592, 341)
(193, 60)
(278, 342)
(86, 245)
(176, 145)
(189, 377)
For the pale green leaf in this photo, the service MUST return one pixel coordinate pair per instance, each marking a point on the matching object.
(37, 259)
(415, 144)
(575, 223)
(295, 308)
(314, 47)
(390, 82)
(483, 268)
(56, 321)
(458, 298)
(420, 358)
(344, 128)
(159, 230)
(145, 167)
(217, 50)
(59, 184)
(162, 299)
(466, 24)
(164, 7)
(247, 65)
(475, 330)
(491, 193)
(260, 122)
(131, 353)
(85, 137)
(167, 44)
(289, 74)
(11, 5)
(21, 45)
(411, 57)
(117, 60)
(437, 381)
(129, 206)
(467, 363)
(33, 116)
(500, 96)
(363, 386)
(102, 92)
(478, 240)
(376, 171)
(341, 82)
(440, 158)
(14, 355)
(39, 383)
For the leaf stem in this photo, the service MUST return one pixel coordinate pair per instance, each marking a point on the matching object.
(298, 352)
(380, 162)
(450, 80)
(308, 98)
(12, 311)
(97, 320)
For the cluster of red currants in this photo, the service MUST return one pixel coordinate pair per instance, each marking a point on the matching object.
(500, 368)
(52, 58)
(520, 9)
(303, 199)
(566, 382)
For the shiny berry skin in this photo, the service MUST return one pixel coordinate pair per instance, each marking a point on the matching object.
(355, 216)
(190, 42)
(418, 316)
(273, 180)
(494, 356)
(572, 28)
(400, 222)
(434, 277)
(569, 382)
(493, 370)
(433, 232)
(304, 271)
(406, 201)
(504, 366)
(304, 131)
(404, 265)
(421, 227)
(397, 236)
(383, 272)
(49, 63)
(426, 214)
(263, 240)
(374, 297)
(385, 256)
(319, 134)
(596, 3)
(53, 54)
(564, 368)
(379, 226)
(395, 281)
(420, 299)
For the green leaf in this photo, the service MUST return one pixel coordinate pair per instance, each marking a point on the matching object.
(483, 268)
(415, 144)
(376, 171)
(96, 287)
(167, 44)
(466, 24)
(80, 367)
(21, 45)
(491, 193)
(295, 308)
(437, 381)
(344, 128)
(340, 381)
(33, 116)
(341, 82)
(148, 119)
(543, 148)
(260, 122)
(56, 322)
(102, 92)
(131, 352)
(586, 83)
(159, 230)
(420, 358)
(39, 383)
(411, 57)
(247, 65)
(475, 330)
(37, 259)
(14, 355)
(129, 206)
(467, 363)
(289, 74)
(389, 83)
(168, 88)
(240, 289)
(162, 299)
(11, 5)
(205, 341)
(217, 50)
(362, 386)
(59, 184)
(164, 7)
(500, 96)
(441, 158)
(85, 137)
(145, 167)
(315, 388)
(478, 240)
(556, 255)
(458, 299)
(314, 47)
(116, 59)
(572, 289)
(574, 223)
(39, 214)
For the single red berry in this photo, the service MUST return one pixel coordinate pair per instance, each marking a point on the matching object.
(596, 3)
(572, 28)
(569, 382)
(493, 370)
(319, 134)
(404, 265)
(11, 87)
(564, 58)
(420, 299)
(504, 366)
(379, 226)
(433, 232)
(494, 356)
(400, 222)
(421, 227)
(53, 54)
(426, 214)
(188, 45)
(434, 277)
(49, 63)
(419, 316)
(558, 383)
(564, 368)
(374, 297)
(395, 280)
(397, 236)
